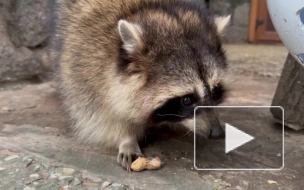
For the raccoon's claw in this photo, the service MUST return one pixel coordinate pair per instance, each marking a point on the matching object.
(128, 151)
(126, 159)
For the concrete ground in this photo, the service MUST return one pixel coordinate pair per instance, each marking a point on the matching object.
(38, 151)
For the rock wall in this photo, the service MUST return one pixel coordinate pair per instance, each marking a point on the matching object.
(24, 34)
(240, 10)
(23, 38)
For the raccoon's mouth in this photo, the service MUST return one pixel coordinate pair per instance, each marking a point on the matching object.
(172, 118)
(175, 115)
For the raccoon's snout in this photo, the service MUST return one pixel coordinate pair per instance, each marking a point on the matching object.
(216, 132)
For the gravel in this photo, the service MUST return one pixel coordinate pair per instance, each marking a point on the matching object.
(28, 172)
(11, 158)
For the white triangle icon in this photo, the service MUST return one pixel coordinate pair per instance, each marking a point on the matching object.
(235, 138)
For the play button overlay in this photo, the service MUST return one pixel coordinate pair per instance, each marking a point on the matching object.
(235, 138)
(254, 140)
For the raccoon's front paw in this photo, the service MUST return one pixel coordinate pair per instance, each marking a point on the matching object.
(125, 159)
(128, 152)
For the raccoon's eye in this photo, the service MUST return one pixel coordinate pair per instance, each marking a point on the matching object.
(187, 101)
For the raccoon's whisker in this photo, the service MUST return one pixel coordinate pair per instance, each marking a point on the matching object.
(223, 113)
(187, 133)
(219, 100)
(163, 115)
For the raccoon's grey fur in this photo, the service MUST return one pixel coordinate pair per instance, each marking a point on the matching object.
(125, 65)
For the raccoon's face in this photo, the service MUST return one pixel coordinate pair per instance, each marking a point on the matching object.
(182, 68)
(186, 81)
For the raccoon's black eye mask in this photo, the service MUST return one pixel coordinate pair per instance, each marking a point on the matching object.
(180, 108)
(218, 94)
(177, 109)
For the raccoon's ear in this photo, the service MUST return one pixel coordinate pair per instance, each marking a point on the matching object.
(130, 35)
(221, 23)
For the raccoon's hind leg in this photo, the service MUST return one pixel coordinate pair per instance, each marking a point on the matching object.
(128, 151)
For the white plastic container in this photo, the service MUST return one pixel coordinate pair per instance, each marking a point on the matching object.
(288, 19)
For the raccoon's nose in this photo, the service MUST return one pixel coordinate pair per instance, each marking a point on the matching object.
(217, 132)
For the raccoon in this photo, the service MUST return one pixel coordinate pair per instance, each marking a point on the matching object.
(126, 65)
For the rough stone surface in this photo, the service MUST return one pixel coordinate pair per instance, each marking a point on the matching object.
(37, 168)
(10, 158)
(27, 161)
(93, 188)
(116, 186)
(29, 23)
(28, 188)
(55, 176)
(34, 177)
(105, 185)
(65, 179)
(290, 94)
(94, 178)
(23, 34)
(68, 171)
(18, 176)
(76, 181)
(238, 30)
